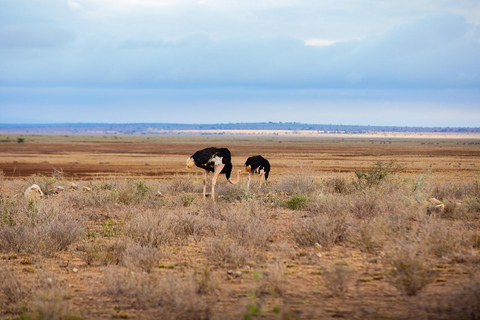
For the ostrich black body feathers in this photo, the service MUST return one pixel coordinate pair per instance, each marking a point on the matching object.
(258, 164)
(208, 157)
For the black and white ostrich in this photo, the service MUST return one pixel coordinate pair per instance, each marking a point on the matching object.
(257, 164)
(216, 160)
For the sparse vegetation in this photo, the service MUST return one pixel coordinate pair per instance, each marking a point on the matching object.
(296, 248)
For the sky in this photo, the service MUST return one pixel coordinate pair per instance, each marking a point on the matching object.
(355, 62)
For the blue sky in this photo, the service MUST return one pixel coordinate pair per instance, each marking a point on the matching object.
(376, 62)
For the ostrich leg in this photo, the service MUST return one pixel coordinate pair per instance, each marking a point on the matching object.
(217, 170)
(205, 176)
(261, 176)
(249, 178)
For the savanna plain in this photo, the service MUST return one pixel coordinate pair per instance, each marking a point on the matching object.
(346, 227)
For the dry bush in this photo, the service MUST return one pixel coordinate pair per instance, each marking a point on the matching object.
(182, 200)
(206, 282)
(366, 204)
(455, 191)
(246, 223)
(371, 234)
(52, 305)
(227, 253)
(185, 184)
(442, 238)
(14, 289)
(298, 182)
(144, 258)
(41, 228)
(171, 296)
(229, 192)
(329, 204)
(410, 271)
(135, 192)
(271, 282)
(337, 279)
(326, 230)
(472, 206)
(463, 303)
(155, 229)
(197, 225)
(98, 200)
(337, 185)
(98, 252)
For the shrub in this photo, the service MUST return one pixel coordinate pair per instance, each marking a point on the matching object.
(134, 192)
(14, 290)
(51, 305)
(247, 224)
(271, 282)
(297, 202)
(205, 281)
(102, 253)
(172, 296)
(184, 184)
(370, 235)
(155, 229)
(144, 258)
(463, 304)
(337, 185)
(337, 280)
(38, 228)
(326, 230)
(298, 182)
(376, 174)
(410, 271)
(228, 253)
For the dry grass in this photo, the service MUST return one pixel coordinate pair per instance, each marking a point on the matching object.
(326, 230)
(260, 254)
(410, 270)
(169, 297)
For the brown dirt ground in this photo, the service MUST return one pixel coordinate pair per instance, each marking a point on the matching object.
(443, 159)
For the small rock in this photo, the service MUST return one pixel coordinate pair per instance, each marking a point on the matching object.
(86, 188)
(72, 186)
(319, 255)
(234, 274)
(75, 270)
(33, 192)
(59, 189)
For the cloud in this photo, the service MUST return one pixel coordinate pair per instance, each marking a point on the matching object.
(439, 50)
(320, 42)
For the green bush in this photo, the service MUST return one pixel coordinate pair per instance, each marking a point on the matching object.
(297, 202)
(376, 174)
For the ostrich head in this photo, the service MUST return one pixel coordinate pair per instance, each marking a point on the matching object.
(190, 162)
(248, 168)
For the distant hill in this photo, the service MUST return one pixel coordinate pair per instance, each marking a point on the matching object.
(167, 128)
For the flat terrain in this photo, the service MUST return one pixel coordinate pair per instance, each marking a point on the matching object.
(133, 239)
(89, 157)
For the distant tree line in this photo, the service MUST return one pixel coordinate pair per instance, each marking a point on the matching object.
(159, 128)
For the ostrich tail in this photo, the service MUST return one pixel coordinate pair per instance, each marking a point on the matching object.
(236, 179)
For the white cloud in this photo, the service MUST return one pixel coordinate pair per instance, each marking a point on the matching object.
(74, 5)
(320, 42)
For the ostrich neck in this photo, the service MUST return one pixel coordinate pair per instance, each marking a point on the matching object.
(236, 179)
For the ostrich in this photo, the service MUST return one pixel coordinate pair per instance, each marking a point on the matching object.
(257, 164)
(216, 160)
